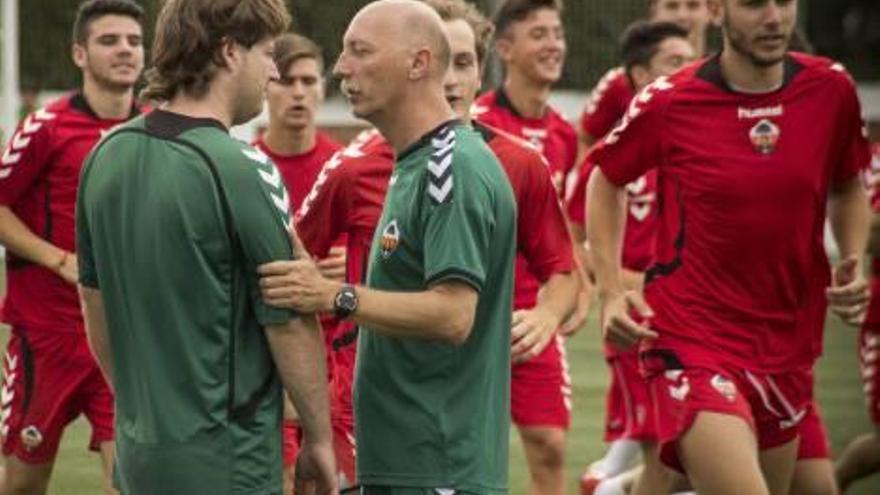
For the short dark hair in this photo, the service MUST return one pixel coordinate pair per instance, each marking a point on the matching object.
(90, 10)
(641, 41)
(452, 10)
(291, 47)
(189, 34)
(513, 11)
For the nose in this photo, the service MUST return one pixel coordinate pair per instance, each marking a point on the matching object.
(773, 13)
(340, 68)
(274, 75)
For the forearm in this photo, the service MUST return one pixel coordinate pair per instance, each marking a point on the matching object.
(606, 216)
(849, 217)
(632, 280)
(298, 351)
(434, 314)
(21, 241)
(558, 295)
(96, 330)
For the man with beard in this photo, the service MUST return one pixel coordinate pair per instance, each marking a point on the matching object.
(173, 217)
(612, 94)
(737, 291)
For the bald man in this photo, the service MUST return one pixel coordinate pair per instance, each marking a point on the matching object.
(432, 382)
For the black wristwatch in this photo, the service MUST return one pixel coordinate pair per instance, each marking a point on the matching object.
(346, 301)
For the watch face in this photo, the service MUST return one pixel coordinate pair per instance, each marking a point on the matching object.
(346, 301)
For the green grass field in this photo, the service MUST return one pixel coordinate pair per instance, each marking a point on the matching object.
(77, 471)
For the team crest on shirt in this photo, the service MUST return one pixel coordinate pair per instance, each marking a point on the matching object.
(390, 239)
(724, 387)
(764, 136)
(31, 438)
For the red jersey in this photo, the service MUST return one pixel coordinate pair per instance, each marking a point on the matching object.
(641, 219)
(551, 135)
(607, 103)
(299, 172)
(873, 316)
(39, 175)
(640, 229)
(740, 267)
(346, 200)
(543, 244)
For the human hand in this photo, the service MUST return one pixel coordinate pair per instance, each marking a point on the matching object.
(618, 326)
(848, 296)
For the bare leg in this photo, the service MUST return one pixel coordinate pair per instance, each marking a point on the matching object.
(777, 464)
(859, 459)
(545, 453)
(108, 451)
(813, 477)
(21, 478)
(720, 456)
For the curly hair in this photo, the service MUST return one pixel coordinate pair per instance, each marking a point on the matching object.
(189, 34)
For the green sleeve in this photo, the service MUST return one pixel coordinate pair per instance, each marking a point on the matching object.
(458, 224)
(88, 275)
(261, 215)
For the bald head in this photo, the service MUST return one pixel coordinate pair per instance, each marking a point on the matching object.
(411, 25)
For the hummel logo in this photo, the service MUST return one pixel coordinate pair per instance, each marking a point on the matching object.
(440, 166)
(680, 392)
(30, 126)
(674, 375)
(42, 114)
(6, 395)
(256, 155)
(21, 139)
(640, 211)
(759, 113)
(439, 194)
(273, 178)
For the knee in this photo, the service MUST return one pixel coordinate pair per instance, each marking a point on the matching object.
(546, 447)
(19, 485)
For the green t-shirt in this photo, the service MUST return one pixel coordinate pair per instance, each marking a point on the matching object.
(173, 218)
(433, 414)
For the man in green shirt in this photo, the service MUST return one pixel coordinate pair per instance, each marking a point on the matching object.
(433, 372)
(173, 217)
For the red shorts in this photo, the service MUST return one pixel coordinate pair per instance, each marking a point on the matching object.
(291, 438)
(772, 404)
(814, 437)
(49, 379)
(629, 410)
(869, 361)
(540, 389)
(345, 449)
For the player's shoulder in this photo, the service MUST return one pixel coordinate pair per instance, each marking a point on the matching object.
(457, 157)
(510, 148)
(484, 105)
(46, 118)
(368, 150)
(808, 68)
(560, 125)
(326, 144)
(614, 83)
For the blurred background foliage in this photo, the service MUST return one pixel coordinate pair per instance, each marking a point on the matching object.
(847, 30)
